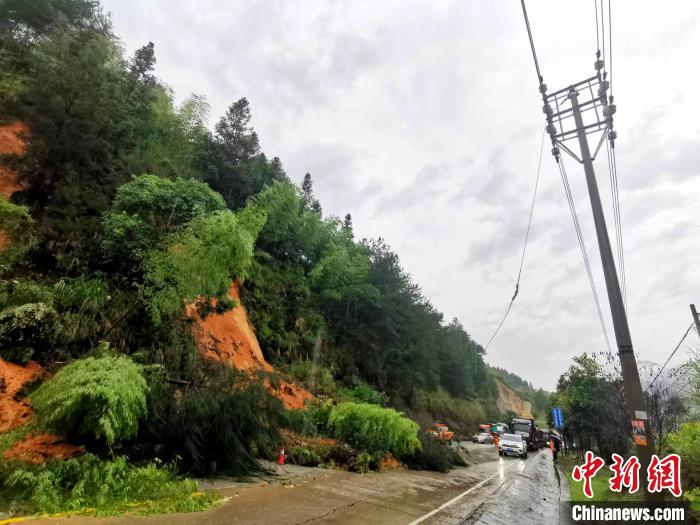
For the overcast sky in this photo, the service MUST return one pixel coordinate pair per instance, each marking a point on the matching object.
(423, 120)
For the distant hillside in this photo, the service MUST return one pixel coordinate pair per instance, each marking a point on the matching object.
(539, 399)
(509, 401)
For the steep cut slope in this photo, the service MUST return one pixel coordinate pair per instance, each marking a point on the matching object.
(229, 338)
(13, 412)
(11, 143)
(509, 401)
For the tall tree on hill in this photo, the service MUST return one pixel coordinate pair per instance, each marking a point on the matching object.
(347, 224)
(143, 63)
(242, 170)
(307, 192)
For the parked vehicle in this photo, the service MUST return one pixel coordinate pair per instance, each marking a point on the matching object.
(525, 428)
(540, 438)
(484, 437)
(512, 445)
(500, 428)
(440, 432)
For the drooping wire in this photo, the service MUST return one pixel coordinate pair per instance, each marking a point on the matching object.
(527, 236)
(672, 354)
(532, 43)
(582, 246)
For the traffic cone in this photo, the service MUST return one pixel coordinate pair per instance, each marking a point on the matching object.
(280, 459)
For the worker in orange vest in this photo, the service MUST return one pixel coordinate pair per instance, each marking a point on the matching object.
(554, 445)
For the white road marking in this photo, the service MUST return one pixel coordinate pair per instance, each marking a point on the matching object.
(458, 497)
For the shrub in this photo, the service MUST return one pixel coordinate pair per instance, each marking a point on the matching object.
(26, 328)
(363, 393)
(214, 427)
(374, 429)
(17, 292)
(308, 456)
(312, 420)
(105, 486)
(340, 456)
(200, 259)
(459, 413)
(434, 455)
(103, 398)
(313, 376)
(17, 238)
(686, 443)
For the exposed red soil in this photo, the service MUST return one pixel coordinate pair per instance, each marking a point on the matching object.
(229, 338)
(389, 462)
(4, 241)
(292, 439)
(12, 142)
(38, 448)
(14, 412)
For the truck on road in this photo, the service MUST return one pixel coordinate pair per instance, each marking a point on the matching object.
(526, 429)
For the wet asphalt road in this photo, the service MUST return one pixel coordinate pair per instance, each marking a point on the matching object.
(492, 490)
(532, 495)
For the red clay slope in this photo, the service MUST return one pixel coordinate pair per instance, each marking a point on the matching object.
(11, 143)
(229, 338)
(14, 413)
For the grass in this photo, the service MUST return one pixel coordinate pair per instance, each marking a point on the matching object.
(90, 485)
(599, 484)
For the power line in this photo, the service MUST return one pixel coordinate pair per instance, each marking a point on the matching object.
(597, 34)
(672, 354)
(532, 44)
(567, 188)
(527, 236)
(615, 197)
(602, 27)
(610, 45)
(582, 246)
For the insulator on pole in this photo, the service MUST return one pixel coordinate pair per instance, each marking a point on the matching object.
(543, 88)
(551, 129)
(599, 64)
(609, 111)
(547, 110)
(555, 152)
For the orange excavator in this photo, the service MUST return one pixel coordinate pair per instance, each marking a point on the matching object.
(440, 432)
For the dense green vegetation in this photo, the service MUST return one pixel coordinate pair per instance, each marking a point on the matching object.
(105, 487)
(596, 418)
(374, 429)
(102, 399)
(132, 207)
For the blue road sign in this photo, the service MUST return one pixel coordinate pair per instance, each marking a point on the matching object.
(558, 417)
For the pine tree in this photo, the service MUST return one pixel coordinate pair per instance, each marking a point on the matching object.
(307, 191)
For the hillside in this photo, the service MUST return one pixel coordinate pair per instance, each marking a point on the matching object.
(508, 401)
(228, 338)
(169, 295)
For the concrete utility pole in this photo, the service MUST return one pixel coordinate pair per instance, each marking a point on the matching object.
(594, 115)
(696, 318)
(634, 397)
